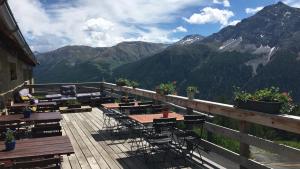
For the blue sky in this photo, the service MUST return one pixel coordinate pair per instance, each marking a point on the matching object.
(50, 24)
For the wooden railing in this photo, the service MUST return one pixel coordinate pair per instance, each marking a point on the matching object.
(287, 123)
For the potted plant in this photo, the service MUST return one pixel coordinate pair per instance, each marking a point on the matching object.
(166, 110)
(191, 91)
(166, 88)
(122, 82)
(134, 84)
(10, 141)
(268, 100)
(27, 112)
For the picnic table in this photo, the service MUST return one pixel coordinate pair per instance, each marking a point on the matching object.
(39, 106)
(148, 118)
(37, 147)
(35, 117)
(42, 104)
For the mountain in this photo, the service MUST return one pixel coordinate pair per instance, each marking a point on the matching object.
(260, 51)
(189, 39)
(84, 63)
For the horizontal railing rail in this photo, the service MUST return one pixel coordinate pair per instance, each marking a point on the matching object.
(284, 122)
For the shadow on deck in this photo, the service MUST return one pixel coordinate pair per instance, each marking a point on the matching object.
(95, 148)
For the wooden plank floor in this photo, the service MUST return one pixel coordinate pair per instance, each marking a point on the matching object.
(95, 150)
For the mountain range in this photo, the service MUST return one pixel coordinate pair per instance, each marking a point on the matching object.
(260, 51)
(84, 63)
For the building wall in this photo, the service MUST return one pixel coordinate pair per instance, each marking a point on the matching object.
(23, 73)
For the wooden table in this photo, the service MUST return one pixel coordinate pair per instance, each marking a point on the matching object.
(37, 147)
(148, 118)
(117, 105)
(34, 117)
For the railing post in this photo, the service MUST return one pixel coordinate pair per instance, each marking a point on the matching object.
(31, 82)
(101, 88)
(244, 148)
(189, 111)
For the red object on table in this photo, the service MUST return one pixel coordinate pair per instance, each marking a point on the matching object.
(165, 114)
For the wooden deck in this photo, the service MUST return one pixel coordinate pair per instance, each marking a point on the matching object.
(94, 149)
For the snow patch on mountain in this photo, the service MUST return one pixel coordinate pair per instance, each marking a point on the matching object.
(266, 53)
(231, 44)
(189, 40)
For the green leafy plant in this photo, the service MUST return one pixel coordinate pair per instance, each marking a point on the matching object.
(166, 88)
(122, 82)
(192, 89)
(241, 95)
(134, 84)
(271, 94)
(9, 136)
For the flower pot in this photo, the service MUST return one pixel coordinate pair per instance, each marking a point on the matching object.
(10, 145)
(191, 95)
(260, 106)
(165, 114)
(159, 91)
(74, 106)
(27, 113)
(120, 83)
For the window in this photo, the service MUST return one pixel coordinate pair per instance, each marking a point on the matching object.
(13, 71)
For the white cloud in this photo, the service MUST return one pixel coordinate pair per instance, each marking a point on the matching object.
(210, 15)
(226, 3)
(234, 22)
(253, 10)
(99, 23)
(96, 23)
(180, 29)
(293, 3)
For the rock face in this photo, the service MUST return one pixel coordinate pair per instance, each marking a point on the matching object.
(260, 51)
(83, 63)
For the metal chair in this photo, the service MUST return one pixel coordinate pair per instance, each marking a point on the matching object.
(156, 108)
(159, 137)
(187, 141)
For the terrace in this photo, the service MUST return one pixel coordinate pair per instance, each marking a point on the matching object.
(94, 147)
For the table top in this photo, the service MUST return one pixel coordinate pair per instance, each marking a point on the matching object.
(148, 118)
(34, 117)
(58, 145)
(116, 105)
(16, 105)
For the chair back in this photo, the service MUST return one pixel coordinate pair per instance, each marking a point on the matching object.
(107, 100)
(145, 103)
(193, 120)
(164, 125)
(156, 108)
(137, 110)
